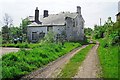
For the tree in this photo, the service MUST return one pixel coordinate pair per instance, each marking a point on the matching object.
(7, 20)
(5, 34)
(15, 32)
(109, 31)
(5, 29)
(49, 37)
(23, 27)
(88, 31)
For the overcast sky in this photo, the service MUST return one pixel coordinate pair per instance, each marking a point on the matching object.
(92, 10)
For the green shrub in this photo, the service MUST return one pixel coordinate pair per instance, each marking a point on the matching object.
(22, 45)
(108, 60)
(17, 64)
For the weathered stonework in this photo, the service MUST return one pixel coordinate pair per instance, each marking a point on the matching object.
(71, 25)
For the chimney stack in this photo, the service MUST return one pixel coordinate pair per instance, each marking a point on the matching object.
(36, 15)
(79, 10)
(45, 13)
(118, 6)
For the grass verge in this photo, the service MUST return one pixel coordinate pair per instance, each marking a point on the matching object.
(17, 64)
(22, 45)
(108, 59)
(72, 67)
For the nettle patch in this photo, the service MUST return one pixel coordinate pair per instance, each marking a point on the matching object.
(17, 64)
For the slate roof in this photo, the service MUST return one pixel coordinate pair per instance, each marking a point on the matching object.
(31, 18)
(35, 24)
(118, 14)
(54, 19)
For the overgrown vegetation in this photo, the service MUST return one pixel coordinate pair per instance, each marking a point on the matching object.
(10, 33)
(0, 40)
(108, 59)
(72, 67)
(0, 68)
(109, 37)
(110, 31)
(17, 64)
(88, 31)
(22, 45)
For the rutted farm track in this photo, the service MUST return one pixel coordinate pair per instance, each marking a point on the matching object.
(89, 68)
(53, 69)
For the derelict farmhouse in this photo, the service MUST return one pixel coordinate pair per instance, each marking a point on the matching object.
(66, 25)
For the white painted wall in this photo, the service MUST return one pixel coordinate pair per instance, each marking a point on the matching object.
(35, 29)
(56, 30)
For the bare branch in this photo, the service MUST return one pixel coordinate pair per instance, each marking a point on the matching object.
(7, 20)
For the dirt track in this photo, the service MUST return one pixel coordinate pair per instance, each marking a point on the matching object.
(88, 69)
(90, 66)
(53, 69)
(5, 50)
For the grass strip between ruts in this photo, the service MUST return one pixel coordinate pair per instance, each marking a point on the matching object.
(73, 65)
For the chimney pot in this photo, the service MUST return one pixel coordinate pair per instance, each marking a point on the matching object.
(36, 8)
(45, 13)
(79, 10)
